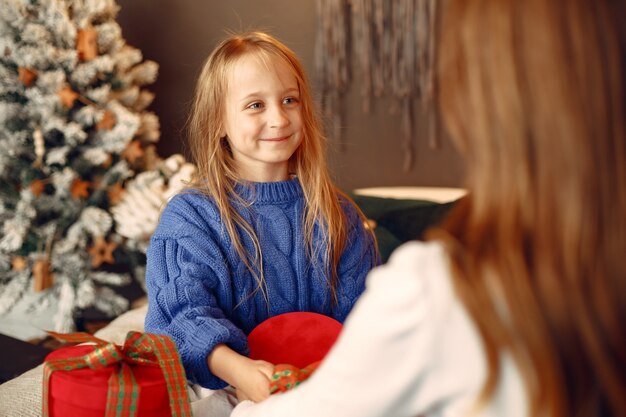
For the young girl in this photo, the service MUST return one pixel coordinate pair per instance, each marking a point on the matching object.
(517, 307)
(263, 230)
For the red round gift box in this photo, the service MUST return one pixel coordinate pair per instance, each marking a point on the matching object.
(83, 392)
(298, 338)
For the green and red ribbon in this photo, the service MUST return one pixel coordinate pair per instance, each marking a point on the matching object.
(286, 377)
(123, 391)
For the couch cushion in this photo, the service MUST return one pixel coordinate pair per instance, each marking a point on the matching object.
(400, 220)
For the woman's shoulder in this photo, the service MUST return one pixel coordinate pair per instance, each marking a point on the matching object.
(418, 268)
(420, 254)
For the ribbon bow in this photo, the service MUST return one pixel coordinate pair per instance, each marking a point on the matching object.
(140, 349)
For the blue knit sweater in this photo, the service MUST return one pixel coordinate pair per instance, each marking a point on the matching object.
(200, 292)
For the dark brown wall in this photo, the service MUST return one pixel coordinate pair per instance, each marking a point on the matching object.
(179, 34)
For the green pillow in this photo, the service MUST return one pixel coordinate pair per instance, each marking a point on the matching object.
(400, 220)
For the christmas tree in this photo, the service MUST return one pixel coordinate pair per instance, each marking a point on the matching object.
(74, 131)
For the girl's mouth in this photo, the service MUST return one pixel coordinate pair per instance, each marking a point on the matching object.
(278, 139)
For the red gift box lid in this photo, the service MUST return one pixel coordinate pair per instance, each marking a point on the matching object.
(298, 338)
(83, 392)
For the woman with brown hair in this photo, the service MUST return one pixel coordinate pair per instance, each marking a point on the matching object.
(517, 305)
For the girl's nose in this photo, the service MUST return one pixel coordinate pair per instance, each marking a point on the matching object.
(278, 117)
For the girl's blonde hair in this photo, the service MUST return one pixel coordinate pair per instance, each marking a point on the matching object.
(217, 176)
(533, 92)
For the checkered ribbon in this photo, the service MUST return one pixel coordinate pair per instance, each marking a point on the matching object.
(123, 392)
(286, 377)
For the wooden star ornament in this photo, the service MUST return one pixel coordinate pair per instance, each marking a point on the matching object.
(80, 188)
(102, 251)
(133, 151)
(26, 76)
(37, 187)
(67, 96)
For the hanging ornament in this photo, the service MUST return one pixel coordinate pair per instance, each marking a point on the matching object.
(37, 187)
(19, 263)
(42, 276)
(107, 122)
(133, 151)
(86, 44)
(80, 188)
(67, 96)
(102, 251)
(40, 148)
(26, 76)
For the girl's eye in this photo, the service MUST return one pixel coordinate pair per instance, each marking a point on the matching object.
(290, 101)
(255, 106)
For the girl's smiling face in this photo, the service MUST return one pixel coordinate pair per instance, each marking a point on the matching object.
(263, 122)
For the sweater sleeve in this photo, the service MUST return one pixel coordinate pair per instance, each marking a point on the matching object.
(185, 269)
(358, 258)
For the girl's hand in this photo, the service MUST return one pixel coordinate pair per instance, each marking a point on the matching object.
(253, 380)
(250, 377)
